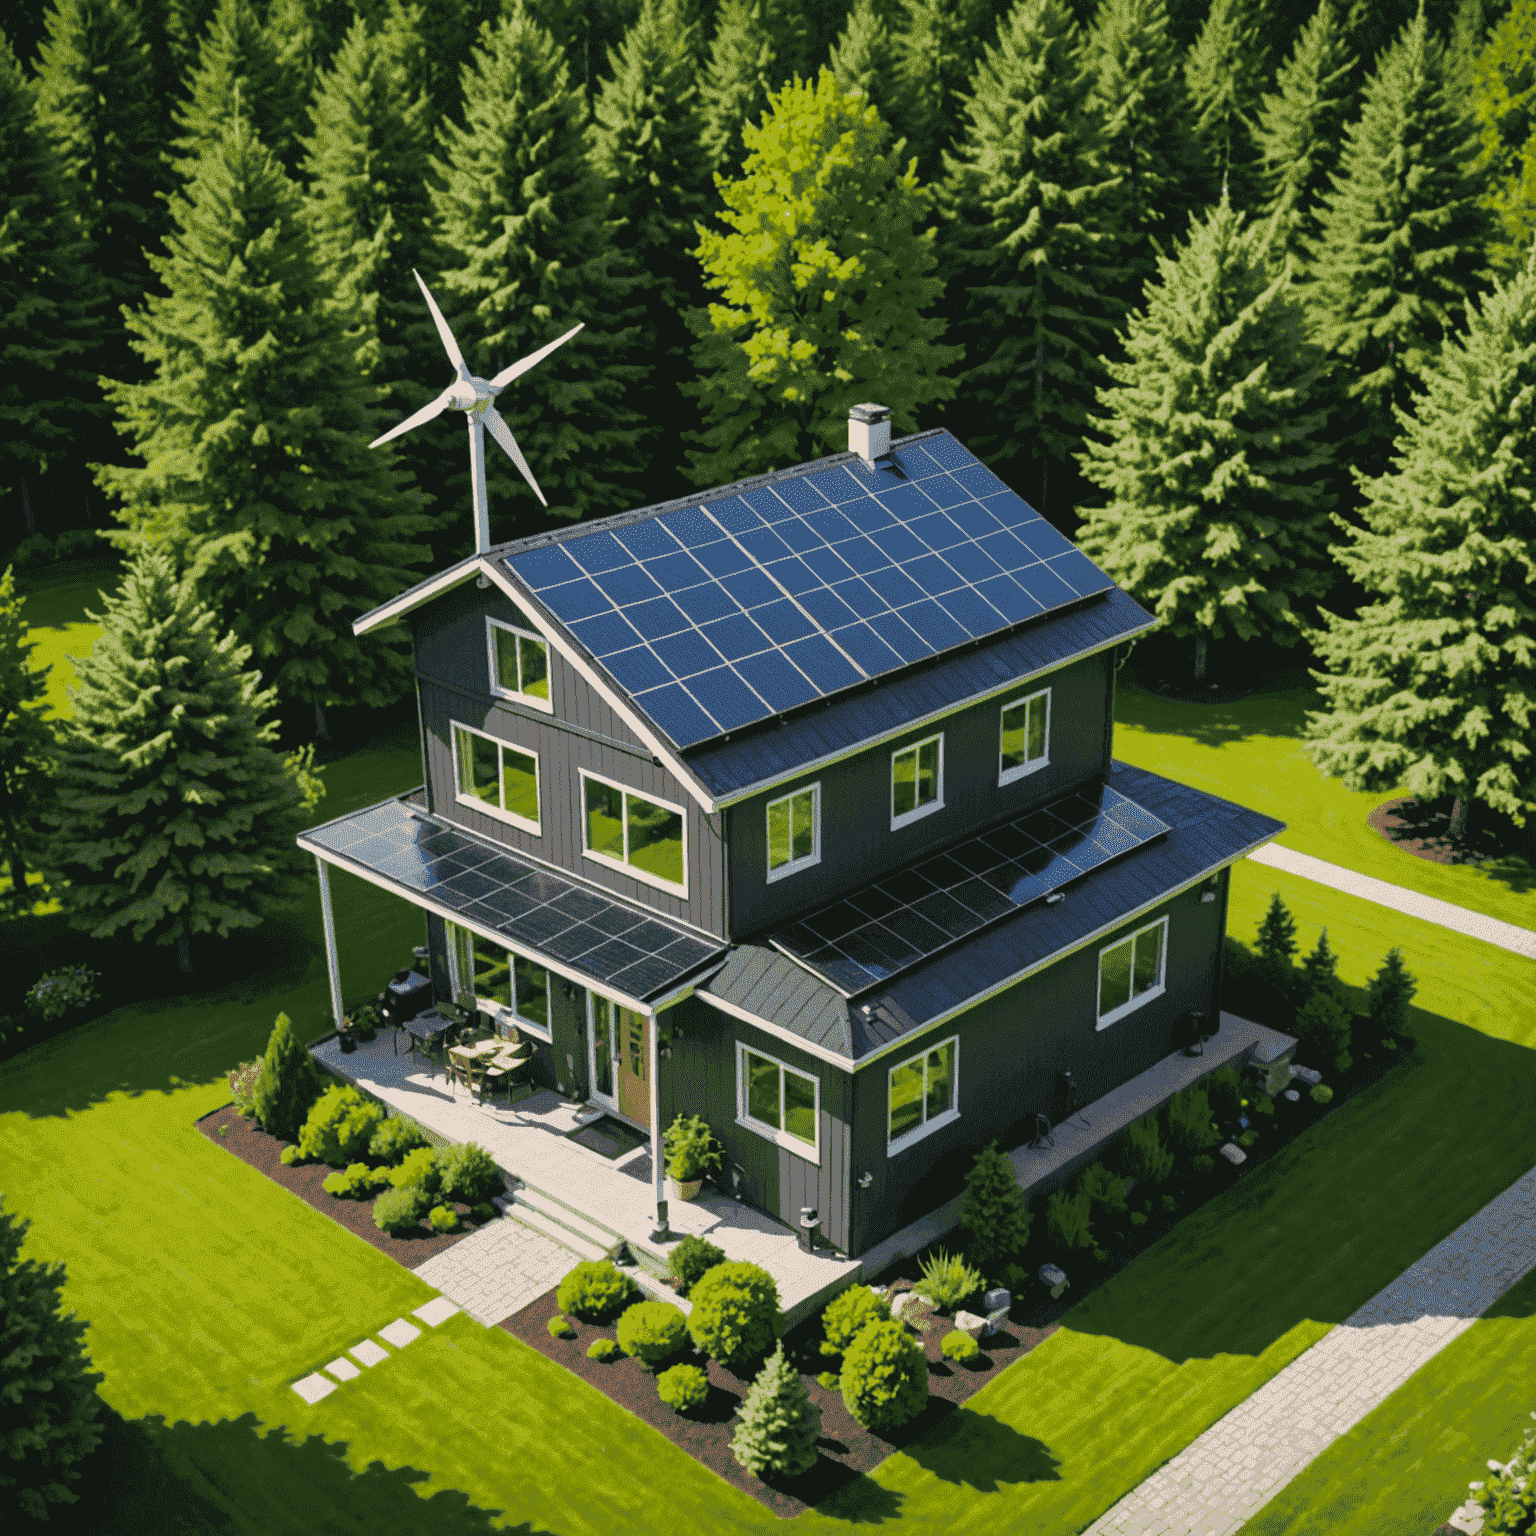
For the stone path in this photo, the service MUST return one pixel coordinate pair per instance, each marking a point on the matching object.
(498, 1270)
(1222, 1479)
(320, 1384)
(1521, 941)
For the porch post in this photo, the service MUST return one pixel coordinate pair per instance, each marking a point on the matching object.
(330, 939)
(663, 1232)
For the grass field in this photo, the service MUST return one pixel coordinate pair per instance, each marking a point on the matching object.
(55, 614)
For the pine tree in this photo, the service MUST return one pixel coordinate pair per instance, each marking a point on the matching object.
(176, 817)
(645, 147)
(521, 216)
(1431, 686)
(46, 1383)
(1277, 933)
(253, 434)
(825, 288)
(1029, 255)
(186, 24)
(26, 755)
(1216, 516)
(993, 1212)
(287, 1085)
(1323, 1026)
(1299, 129)
(1464, 44)
(441, 41)
(1504, 103)
(1320, 970)
(1392, 990)
(778, 1425)
(756, 47)
(860, 58)
(1404, 244)
(1225, 74)
(934, 55)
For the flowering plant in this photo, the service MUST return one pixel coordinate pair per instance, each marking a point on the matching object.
(58, 990)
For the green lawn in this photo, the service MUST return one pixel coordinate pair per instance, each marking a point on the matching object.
(55, 614)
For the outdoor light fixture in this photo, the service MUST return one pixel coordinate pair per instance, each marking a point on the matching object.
(1054, 897)
(1208, 895)
(865, 1180)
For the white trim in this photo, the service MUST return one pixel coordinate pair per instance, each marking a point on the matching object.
(434, 586)
(794, 865)
(623, 865)
(609, 1102)
(925, 1126)
(544, 1032)
(1013, 775)
(486, 1005)
(906, 818)
(499, 689)
(809, 1153)
(1136, 999)
(499, 813)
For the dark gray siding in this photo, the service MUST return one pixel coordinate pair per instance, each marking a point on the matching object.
(1011, 1048)
(857, 843)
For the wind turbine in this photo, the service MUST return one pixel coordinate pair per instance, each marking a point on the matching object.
(476, 397)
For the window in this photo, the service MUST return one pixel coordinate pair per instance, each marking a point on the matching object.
(777, 1101)
(1026, 736)
(519, 665)
(499, 979)
(1131, 972)
(917, 781)
(794, 832)
(644, 836)
(922, 1095)
(497, 777)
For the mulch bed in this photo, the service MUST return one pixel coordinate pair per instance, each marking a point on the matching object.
(847, 1449)
(1420, 828)
(232, 1131)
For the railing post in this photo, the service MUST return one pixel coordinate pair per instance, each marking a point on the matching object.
(663, 1233)
(330, 939)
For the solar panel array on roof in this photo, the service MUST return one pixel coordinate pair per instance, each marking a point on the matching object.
(715, 616)
(896, 923)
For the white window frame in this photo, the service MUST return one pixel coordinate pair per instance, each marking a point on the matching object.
(926, 1127)
(1155, 990)
(794, 866)
(936, 804)
(462, 983)
(498, 687)
(782, 1138)
(623, 866)
(536, 828)
(1011, 775)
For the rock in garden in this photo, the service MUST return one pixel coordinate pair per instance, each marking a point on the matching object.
(1234, 1154)
(1307, 1074)
(994, 1299)
(1292, 1095)
(913, 1310)
(995, 1320)
(1050, 1275)
(968, 1322)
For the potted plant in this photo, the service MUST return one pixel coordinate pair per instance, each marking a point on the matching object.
(691, 1153)
(346, 1034)
(365, 1020)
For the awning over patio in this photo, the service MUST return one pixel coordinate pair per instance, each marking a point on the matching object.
(596, 940)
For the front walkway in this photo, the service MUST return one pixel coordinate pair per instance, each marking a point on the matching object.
(498, 1270)
(1510, 936)
(1221, 1480)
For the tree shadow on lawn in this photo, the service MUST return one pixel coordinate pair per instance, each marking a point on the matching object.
(183, 1479)
(1280, 712)
(974, 1449)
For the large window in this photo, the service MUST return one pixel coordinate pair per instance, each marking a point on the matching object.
(917, 781)
(519, 664)
(922, 1094)
(496, 777)
(1026, 736)
(777, 1101)
(794, 832)
(643, 836)
(1131, 972)
(500, 979)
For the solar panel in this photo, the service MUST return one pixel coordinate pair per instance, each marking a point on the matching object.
(610, 942)
(898, 922)
(716, 616)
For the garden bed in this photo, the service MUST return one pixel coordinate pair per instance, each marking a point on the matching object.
(232, 1131)
(847, 1450)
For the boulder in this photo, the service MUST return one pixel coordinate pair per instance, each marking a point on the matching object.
(913, 1310)
(995, 1321)
(1234, 1154)
(1308, 1075)
(1292, 1095)
(992, 1300)
(1050, 1275)
(969, 1323)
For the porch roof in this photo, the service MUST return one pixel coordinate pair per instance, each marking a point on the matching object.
(592, 939)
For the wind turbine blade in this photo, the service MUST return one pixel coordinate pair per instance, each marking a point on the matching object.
(503, 435)
(450, 346)
(506, 375)
(426, 413)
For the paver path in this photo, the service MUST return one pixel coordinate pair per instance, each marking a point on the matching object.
(1222, 1479)
(498, 1270)
(1522, 941)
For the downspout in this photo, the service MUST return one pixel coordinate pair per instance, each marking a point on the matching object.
(330, 939)
(663, 1233)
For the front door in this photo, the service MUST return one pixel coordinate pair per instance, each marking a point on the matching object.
(619, 1058)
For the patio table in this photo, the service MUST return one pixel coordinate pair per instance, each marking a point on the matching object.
(423, 1030)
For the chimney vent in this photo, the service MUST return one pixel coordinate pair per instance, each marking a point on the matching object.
(869, 432)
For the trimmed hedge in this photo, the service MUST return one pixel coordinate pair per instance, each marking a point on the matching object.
(594, 1290)
(683, 1388)
(885, 1377)
(652, 1331)
(735, 1315)
(848, 1314)
(398, 1210)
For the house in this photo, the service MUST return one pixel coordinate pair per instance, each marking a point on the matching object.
(793, 804)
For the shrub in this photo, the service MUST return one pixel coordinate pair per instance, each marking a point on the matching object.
(1264, 1105)
(1170, 1204)
(284, 1094)
(1392, 990)
(683, 1388)
(1142, 1155)
(1224, 1088)
(829, 1380)
(1068, 1219)
(468, 1173)
(1323, 1025)
(691, 1260)
(1105, 1190)
(400, 1210)
(53, 995)
(442, 1218)
(1189, 1121)
(602, 1349)
(560, 1328)
(1203, 1164)
(735, 1313)
(485, 1211)
(1139, 1218)
(959, 1347)
(289, 1156)
(885, 1377)
(1322, 1094)
(242, 1087)
(1508, 1497)
(594, 1290)
(418, 1170)
(340, 1125)
(948, 1281)
(652, 1331)
(357, 1180)
(1247, 1139)
(395, 1137)
(776, 1433)
(690, 1148)
(993, 1212)
(848, 1314)
(1343, 1062)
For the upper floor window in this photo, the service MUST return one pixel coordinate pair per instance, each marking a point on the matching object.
(917, 781)
(778, 1101)
(921, 1095)
(519, 665)
(642, 836)
(1026, 736)
(1131, 972)
(500, 980)
(496, 777)
(794, 832)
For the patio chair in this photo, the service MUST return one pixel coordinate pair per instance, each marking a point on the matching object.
(509, 1068)
(470, 1073)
